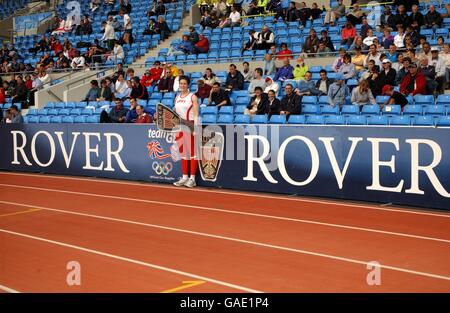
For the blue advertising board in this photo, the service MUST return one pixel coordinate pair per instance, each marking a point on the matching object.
(406, 166)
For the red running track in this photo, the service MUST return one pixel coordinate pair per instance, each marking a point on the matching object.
(136, 237)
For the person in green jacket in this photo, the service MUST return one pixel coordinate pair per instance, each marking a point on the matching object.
(262, 5)
(300, 70)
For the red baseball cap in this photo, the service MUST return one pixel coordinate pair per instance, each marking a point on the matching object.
(385, 89)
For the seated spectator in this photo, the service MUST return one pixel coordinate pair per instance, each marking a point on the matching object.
(162, 28)
(387, 40)
(337, 63)
(348, 34)
(93, 92)
(94, 5)
(176, 81)
(395, 97)
(269, 65)
(252, 8)
(271, 85)
(273, 104)
(202, 46)
(284, 52)
(151, 27)
(392, 54)
(388, 74)
(258, 103)
(264, 39)
(257, 81)
(235, 17)
(291, 102)
(41, 46)
(158, 9)
(138, 91)
(300, 69)
(307, 87)
(185, 47)
(347, 68)
(311, 43)
(116, 115)
(16, 116)
(206, 20)
(335, 13)
(362, 95)
(235, 79)
(209, 77)
(156, 72)
(385, 17)
(399, 39)
(285, 72)
(224, 22)
(398, 64)
(364, 28)
(373, 55)
(105, 92)
(165, 84)
(193, 35)
(146, 79)
(2, 95)
(315, 12)
(324, 83)
(326, 40)
(142, 117)
(121, 87)
(109, 35)
(247, 72)
(433, 19)
(426, 53)
(375, 81)
(338, 91)
(118, 54)
(356, 15)
(358, 59)
(85, 28)
(369, 39)
(445, 55)
(426, 69)
(251, 44)
(20, 91)
(203, 90)
(218, 96)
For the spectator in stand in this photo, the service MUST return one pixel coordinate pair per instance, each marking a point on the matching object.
(162, 28)
(364, 28)
(284, 52)
(440, 68)
(165, 84)
(142, 117)
(358, 59)
(147, 80)
(185, 47)
(291, 102)
(271, 85)
(269, 65)
(311, 43)
(105, 93)
(138, 91)
(323, 51)
(203, 90)
(392, 54)
(324, 83)
(375, 81)
(127, 28)
(326, 40)
(158, 9)
(276, 6)
(356, 15)
(2, 94)
(433, 19)
(387, 40)
(264, 39)
(151, 27)
(426, 53)
(218, 96)
(246, 72)
(206, 20)
(369, 39)
(118, 55)
(373, 55)
(125, 6)
(401, 73)
(362, 95)
(395, 97)
(16, 116)
(426, 69)
(41, 46)
(347, 68)
(339, 60)
(257, 81)
(20, 91)
(285, 72)
(93, 92)
(85, 28)
(335, 13)
(121, 87)
(445, 55)
(292, 14)
(109, 35)
(131, 114)
(193, 35)
(235, 79)
(304, 14)
(348, 34)
(176, 81)
(401, 18)
(399, 39)
(338, 91)
(386, 17)
(258, 103)
(156, 71)
(202, 46)
(235, 17)
(416, 18)
(209, 77)
(414, 82)
(307, 86)
(116, 115)
(300, 69)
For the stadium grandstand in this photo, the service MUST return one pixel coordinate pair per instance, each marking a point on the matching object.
(316, 133)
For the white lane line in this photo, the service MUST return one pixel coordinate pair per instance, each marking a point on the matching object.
(7, 289)
(229, 212)
(243, 194)
(249, 242)
(112, 256)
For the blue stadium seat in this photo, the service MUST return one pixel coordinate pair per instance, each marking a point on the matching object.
(227, 109)
(378, 120)
(370, 109)
(412, 109)
(330, 110)
(335, 120)
(75, 112)
(242, 119)
(278, 119)
(64, 112)
(315, 119)
(79, 119)
(311, 109)
(402, 120)
(350, 110)
(259, 119)
(209, 118)
(67, 119)
(239, 109)
(357, 120)
(382, 99)
(225, 119)
(434, 110)
(309, 100)
(425, 120)
(93, 119)
(394, 109)
(424, 99)
(33, 119)
(60, 105)
(86, 111)
(297, 119)
(242, 100)
(44, 119)
(323, 100)
(443, 121)
(32, 112)
(209, 110)
(55, 119)
(443, 99)
(43, 112)
(81, 105)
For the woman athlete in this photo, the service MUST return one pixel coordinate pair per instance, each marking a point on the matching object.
(186, 106)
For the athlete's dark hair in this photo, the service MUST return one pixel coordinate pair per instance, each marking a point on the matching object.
(186, 78)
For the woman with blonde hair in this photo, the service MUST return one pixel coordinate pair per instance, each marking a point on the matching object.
(362, 94)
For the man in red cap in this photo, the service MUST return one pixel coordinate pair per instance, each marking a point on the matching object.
(414, 82)
(395, 97)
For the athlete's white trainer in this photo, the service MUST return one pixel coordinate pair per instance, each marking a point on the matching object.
(190, 183)
(181, 182)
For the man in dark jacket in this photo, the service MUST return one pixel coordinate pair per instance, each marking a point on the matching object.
(235, 79)
(218, 96)
(291, 102)
(387, 74)
(323, 84)
(433, 19)
(138, 91)
(116, 115)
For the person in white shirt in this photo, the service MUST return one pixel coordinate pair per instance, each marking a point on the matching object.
(118, 53)
(399, 38)
(127, 26)
(271, 85)
(373, 55)
(176, 81)
(445, 55)
(439, 68)
(122, 89)
(109, 35)
(235, 17)
(265, 38)
(369, 38)
(78, 61)
(45, 79)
